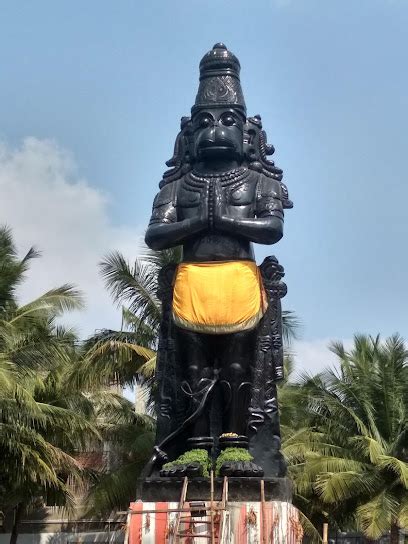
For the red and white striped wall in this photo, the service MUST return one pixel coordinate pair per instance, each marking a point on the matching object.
(242, 523)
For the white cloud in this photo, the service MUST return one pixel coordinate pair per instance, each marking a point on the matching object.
(314, 355)
(47, 204)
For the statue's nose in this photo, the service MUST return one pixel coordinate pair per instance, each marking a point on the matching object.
(218, 132)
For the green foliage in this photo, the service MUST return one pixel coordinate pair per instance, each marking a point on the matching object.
(50, 414)
(127, 357)
(193, 456)
(39, 430)
(231, 454)
(348, 454)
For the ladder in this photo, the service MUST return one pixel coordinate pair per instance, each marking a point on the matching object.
(185, 525)
(201, 522)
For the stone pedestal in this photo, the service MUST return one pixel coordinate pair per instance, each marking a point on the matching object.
(239, 489)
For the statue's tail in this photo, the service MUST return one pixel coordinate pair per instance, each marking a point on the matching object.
(159, 456)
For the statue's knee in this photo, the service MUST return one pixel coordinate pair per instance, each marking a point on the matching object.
(193, 372)
(197, 372)
(207, 373)
(236, 371)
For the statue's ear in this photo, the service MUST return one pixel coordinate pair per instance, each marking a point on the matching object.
(257, 150)
(182, 158)
(252, 128)
(189, 143)
(181, 142)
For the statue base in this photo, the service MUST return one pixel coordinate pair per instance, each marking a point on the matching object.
(268, 522)
(239, 489)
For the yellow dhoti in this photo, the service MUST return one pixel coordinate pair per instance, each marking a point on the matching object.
(218, 297)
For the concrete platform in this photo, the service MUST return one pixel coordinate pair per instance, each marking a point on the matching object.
(239, 489)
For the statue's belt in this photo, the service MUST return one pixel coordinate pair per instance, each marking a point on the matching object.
(218, 297)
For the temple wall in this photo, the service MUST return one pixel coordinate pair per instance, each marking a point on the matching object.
(272, 522)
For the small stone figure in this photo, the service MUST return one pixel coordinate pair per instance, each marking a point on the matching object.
(220, 349)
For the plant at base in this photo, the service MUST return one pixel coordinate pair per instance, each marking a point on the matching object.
(231, 454)
(193, 456)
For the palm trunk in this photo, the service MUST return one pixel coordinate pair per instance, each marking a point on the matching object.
(394, 536)
(18, 512)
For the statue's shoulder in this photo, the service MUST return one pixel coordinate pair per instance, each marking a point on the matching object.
(269, 187)
(167, 194)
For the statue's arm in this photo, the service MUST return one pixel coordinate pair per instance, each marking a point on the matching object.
(267, 225)
(164, 229)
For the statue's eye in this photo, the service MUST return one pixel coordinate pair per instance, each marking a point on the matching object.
(228, 120)
(205, 122)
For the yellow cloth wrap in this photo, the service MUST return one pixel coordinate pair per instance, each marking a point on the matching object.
(218, 297)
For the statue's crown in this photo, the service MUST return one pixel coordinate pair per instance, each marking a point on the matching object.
(219, 80)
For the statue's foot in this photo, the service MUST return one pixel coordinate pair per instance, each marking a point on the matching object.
(241, 468)
(190, 470)
(192, 463)
(237, 462)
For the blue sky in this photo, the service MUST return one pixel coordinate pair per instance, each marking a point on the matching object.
(91, 96)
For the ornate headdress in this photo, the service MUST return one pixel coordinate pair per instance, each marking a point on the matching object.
(220, 86)
(219, 80)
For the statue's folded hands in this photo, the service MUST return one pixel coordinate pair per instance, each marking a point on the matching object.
(261, 230)
(267, 229)
(165, 235)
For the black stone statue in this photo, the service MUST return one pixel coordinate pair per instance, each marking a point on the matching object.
(220, 349)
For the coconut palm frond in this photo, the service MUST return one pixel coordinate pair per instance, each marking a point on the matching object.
(375, 516)
(309, 529)
(340, 486)
(56, 301)
(159, 259)
(144, 334)
(121, 348)
(397, 466)
(290, 326)
(113, 491)
(136, 285)
(147, 370)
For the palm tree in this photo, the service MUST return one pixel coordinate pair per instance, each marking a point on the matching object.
(37, 437)
(350, 460)
(128, 357)
(130, 436)
(51, 418)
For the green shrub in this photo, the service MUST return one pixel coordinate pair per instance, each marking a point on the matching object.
(193, 456)
(231, 454)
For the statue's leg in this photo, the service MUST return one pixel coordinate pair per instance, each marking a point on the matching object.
(194, 354)
(236, 356)
(195, 351)
(237, 352)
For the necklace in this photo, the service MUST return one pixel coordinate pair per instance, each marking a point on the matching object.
(233, 177)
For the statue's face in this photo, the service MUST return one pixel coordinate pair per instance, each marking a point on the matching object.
(218, 132)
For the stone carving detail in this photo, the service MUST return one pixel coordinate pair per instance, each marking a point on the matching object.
(219, 90)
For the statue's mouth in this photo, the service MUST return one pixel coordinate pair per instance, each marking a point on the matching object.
(216, 145)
